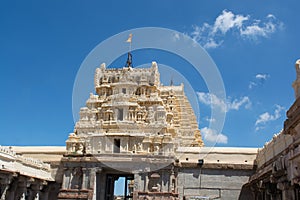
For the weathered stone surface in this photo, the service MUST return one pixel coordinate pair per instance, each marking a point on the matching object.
(23, 177)
(278, 163)
(132, 112)
(211, 183)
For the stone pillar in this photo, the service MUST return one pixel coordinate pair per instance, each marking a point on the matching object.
(92, 175)
(93, 180)
(286, 195)
(44, 194)
(34, 191)
(286, 190)
(85, 178)
(261, 195)
(3, 191)
(21, 189)
(5, 184)
(4, 187)
(146, 181)
(254, 192)
(10, 183)
(136, 184)
(66, 178)
(172, 183)
(10, 195)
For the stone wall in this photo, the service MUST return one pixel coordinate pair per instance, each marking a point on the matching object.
(221, 176)
(210, 183)
(279, 143)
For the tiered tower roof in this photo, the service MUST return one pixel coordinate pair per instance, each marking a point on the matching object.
(132, 112)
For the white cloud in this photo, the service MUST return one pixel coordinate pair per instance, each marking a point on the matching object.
(252, 84)
(267, 117)
(262, 76)
(176, 36)
(271, 16)
(210, 120)
(237, 103)
(212, 35)
(227, 20)
(211, 135)
(259, 80)
(255, 30)
(211, 44)
(224, 104)
(211, 99)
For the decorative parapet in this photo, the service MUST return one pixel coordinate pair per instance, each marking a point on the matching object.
(7, 153)
(279, 143)
(33, 163)
(11, 162)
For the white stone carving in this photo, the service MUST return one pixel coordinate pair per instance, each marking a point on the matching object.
(132, 104)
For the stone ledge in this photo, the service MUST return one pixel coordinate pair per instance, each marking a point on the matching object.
(75, 194)
(218, 150)
(39, 149)
(157, 194)
(218, 166)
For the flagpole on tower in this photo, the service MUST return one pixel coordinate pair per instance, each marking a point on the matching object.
(129, 58)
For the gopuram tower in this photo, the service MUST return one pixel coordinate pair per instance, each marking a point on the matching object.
(131, 128)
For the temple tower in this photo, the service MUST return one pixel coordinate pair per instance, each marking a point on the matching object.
(130, 128)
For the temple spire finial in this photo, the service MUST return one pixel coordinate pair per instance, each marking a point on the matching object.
(129, 57)
(129, 60)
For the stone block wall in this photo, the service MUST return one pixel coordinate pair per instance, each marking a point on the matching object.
(210, 183)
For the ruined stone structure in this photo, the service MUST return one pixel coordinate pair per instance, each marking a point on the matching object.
(278, 163)
(24, 178)
(146, 133)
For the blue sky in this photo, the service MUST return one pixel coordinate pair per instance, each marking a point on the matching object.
(254, 44)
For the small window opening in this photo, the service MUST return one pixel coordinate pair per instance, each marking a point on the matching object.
(117, 143)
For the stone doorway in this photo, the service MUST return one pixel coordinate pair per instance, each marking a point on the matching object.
(119, 187)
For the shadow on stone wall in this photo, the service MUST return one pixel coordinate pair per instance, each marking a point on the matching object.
(246, 193)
